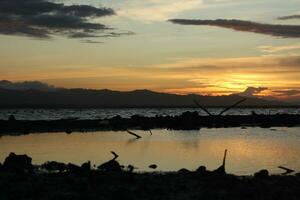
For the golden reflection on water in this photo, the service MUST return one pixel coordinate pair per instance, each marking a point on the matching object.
(248, 149)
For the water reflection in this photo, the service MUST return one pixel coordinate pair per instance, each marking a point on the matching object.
(248, 149)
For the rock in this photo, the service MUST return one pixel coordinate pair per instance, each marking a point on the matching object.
(153, 166)
(54, 166)
(73, 169)
(11, 118)
(201, 170)
(18, 163)
(262, 174)
(104, 122)
(116, 118)
(190, 115)
(110, 166)
(184, 171)
(130, 168)
(86, 167)
(219, 171)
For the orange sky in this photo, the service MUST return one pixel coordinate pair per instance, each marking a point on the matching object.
(143, 50)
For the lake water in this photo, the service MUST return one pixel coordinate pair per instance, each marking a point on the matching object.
(53, 114)
(249, 150)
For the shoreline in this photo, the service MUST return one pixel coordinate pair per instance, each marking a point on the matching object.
(185, 121)
(19, 179)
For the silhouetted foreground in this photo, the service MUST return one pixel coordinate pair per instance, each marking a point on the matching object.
(19, 179)
(186, 121)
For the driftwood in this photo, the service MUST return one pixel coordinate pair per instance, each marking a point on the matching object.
(115, 155)
(223, 111)
(111, 165)
(221, 169)
(232, 106)
(287, 170)
(150, 131)
(204, 109)
(132, 133)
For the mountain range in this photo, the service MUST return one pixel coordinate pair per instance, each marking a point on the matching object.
(50, 97)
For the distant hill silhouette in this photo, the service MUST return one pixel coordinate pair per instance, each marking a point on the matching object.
(108, 98)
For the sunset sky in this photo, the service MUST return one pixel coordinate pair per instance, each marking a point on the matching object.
(137, 44)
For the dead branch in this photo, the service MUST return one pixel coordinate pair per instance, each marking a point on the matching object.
(287, 170)
(115, 155)
(150, 131)
(224, 158)
(221, 170)
(204, 109)
(232, 106)
(132, 133)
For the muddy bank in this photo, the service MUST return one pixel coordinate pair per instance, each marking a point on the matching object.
(19, 179)
(186, 121)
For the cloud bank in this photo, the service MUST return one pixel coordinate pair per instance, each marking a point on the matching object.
(275, 49)
(287, 92)
(45, 18)
(289, 31)
(289, 17)
(26, 85)
(252, 91)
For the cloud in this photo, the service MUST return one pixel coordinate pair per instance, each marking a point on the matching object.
(91, 42)
(272, 64)
(252, 91)
(293, 61)
(289, 31)
(157, 10)
(275, 49)
(287, 92)
(289, 17)
(45, 18)
(26, 85)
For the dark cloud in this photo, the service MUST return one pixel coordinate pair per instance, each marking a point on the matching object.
(291, 61)
(246, 26)
(287, 92)
(87, 11)
(117, 34)
(81, 35)
(252, 91)
(26, 85)
(92, 42)
(44, 18)
(289, 17)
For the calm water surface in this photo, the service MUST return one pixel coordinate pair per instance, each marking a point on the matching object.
(248, 149)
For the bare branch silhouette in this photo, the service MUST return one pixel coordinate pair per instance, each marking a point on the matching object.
(204, 109)
(232, 106)
(132, 133)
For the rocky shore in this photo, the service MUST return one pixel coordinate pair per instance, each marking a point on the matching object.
(21, 180)
(185, 121)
